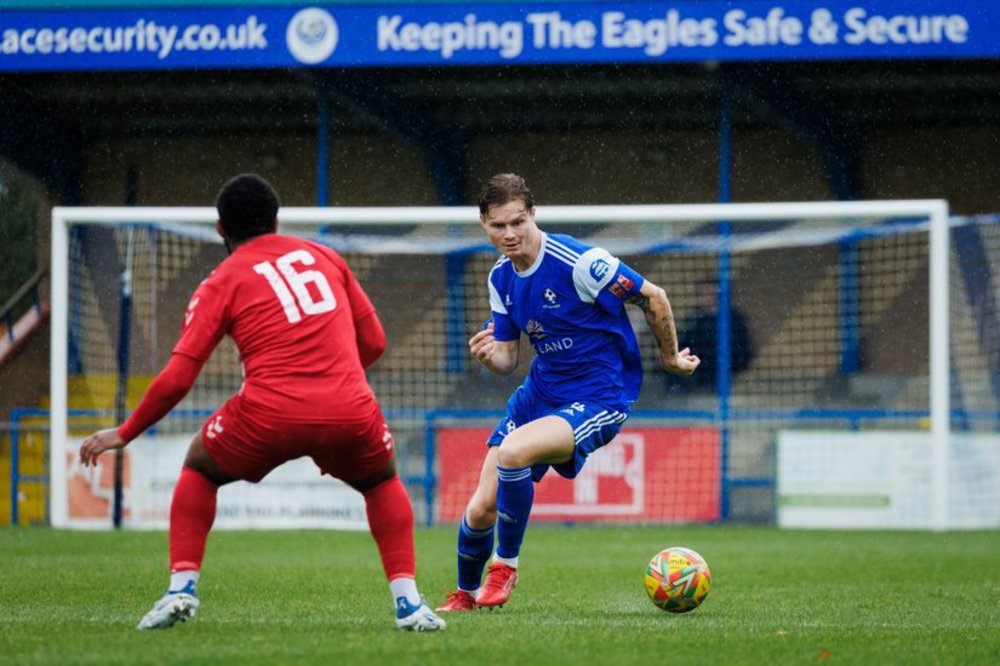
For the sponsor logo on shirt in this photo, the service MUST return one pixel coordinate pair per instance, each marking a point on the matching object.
(599, 269)
(550, 346)
(535, 330)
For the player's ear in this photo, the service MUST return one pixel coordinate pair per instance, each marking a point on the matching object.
(218, 229)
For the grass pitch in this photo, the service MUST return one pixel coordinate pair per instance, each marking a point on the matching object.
(311, 597)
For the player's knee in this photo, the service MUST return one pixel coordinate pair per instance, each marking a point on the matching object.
(511, 455)
(480, 514)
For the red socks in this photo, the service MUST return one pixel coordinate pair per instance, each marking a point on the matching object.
(390, 518)
(192, 513)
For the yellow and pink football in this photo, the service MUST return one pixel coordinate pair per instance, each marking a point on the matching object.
(678, 579)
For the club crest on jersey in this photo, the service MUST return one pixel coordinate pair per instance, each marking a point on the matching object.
(551, 299)
(507, 301)
(534, 330)
(599, 269)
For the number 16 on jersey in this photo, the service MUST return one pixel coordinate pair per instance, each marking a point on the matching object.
(298, 300)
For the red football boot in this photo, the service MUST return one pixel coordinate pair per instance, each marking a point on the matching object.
(459, 600)
(500, 581)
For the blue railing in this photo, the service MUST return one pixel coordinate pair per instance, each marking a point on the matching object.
(852, 419)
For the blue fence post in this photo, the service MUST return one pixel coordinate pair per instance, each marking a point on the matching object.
(430, 480)
(455, 346)
(322, 145)
(850, 307)
(15, 467)
(723, 352)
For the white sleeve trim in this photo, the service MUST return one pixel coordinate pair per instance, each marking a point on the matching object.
(592, 273)
(496, 303)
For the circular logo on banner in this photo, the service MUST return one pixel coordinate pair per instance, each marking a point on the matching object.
(312, 35)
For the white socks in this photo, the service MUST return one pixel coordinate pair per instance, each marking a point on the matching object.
(180, 579)
(509, 561)
(405, 587)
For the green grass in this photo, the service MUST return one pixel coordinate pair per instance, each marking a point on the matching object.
(779, 597)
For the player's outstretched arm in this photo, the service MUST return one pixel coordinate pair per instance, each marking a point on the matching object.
(499, 357)
(168, 389)
(653, 302)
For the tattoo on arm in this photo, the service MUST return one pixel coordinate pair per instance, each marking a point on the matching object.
(660, 323)
(642, 301)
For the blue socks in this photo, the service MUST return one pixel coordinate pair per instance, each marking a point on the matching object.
(474, 550)
(515, 494)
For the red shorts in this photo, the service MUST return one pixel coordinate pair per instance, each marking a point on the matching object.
(247, 445)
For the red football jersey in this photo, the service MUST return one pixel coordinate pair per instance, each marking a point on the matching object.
(290, 305)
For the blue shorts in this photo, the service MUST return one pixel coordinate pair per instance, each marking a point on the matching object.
(593, 426)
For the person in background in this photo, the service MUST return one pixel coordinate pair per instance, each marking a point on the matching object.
(703, 325)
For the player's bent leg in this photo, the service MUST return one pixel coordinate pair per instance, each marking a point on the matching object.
(192, 514)
(481, 512)
(475, 539)
(549, 439)
(199, 459)
(546, 440)
(390, 519)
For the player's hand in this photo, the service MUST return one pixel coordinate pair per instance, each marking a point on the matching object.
(98, 443)
(483, 344)
(683, 364)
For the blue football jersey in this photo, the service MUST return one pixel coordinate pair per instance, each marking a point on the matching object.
(571, 305)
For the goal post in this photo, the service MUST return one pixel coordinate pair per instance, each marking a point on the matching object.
(425, 268)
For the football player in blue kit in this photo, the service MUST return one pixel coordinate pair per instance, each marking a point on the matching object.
(569, 299)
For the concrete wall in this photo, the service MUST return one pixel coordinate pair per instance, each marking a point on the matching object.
(960, 164)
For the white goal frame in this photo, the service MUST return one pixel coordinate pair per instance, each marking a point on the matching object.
(935, 210)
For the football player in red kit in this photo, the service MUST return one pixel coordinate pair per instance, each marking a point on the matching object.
(306, 332)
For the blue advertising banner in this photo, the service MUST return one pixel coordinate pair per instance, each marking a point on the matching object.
(497, 34)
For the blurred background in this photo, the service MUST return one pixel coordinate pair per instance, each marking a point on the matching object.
(395, 103)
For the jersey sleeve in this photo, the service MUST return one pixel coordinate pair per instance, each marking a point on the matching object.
(205, 321)
(167, 390)
(504, 328)
(602, 279)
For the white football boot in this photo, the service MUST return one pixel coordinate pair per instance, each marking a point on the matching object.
(417, 618)
(174, 607)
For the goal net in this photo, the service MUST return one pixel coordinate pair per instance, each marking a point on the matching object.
(852, 354)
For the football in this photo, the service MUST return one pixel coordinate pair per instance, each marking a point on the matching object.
(678, 579)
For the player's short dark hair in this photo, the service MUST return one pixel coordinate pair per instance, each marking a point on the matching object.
(502, 188)
(247, 206)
